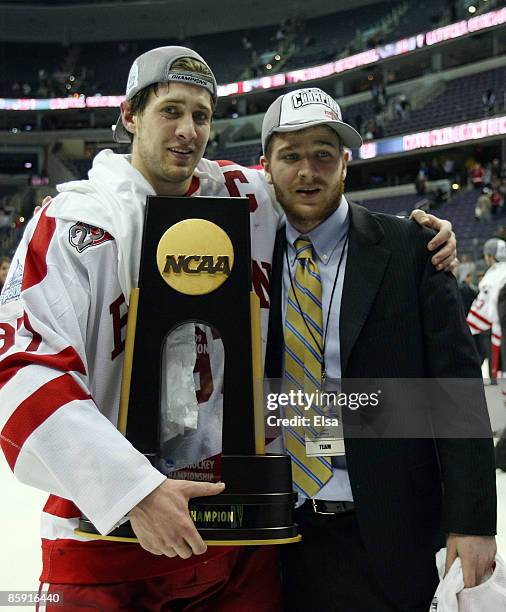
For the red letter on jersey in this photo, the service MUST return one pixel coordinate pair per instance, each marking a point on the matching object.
(6, 337)
(118, 322)
(261, 281)
(231, 176)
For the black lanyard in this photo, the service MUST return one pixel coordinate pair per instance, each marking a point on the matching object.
(320, 348)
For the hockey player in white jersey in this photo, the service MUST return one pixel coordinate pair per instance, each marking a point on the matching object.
(63, 315)
(483, 314)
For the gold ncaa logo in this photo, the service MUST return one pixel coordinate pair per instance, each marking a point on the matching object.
(195, 256)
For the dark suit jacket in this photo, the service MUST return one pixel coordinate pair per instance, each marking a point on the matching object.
(400, 319)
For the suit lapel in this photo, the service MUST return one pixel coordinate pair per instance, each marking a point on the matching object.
(365, 266)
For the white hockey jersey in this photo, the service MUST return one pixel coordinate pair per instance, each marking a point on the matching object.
(483, 314)
(63, 313)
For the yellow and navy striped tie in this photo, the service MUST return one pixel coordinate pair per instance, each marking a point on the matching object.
(303, 365)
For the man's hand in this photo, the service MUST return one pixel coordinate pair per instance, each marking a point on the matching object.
(446, 258)
(44, 202)
(477, 555)
(162, 523)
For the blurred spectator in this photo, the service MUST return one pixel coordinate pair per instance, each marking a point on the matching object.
(402, 108)
(441, 193)
(497, 201)
(421, 179)
(232, 110)
(434, 171)
(487, 175)
(466, 267)
(483, 207)
(369, 129)
(373, 129)
(5, 224)
(448, 167)
(246, 43)
(5, 264)
(477, 174)
(280, 34)
(501, 233)
(382, 95)
(495, 168)
(488, 101)
(502, 188)
(379, 97)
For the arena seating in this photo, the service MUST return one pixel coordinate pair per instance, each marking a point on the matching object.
(461, 100)
(246, 154)
(328, 36)
(419, 17)
(20, 63)
(321, 39)
(471, 234)
(6, 191)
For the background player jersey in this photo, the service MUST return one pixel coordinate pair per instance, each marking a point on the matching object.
(483, 313)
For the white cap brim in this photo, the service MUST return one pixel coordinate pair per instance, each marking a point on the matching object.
(347, 134)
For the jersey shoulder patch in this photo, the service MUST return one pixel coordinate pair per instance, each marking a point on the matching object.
(83, 236)
(12, 289)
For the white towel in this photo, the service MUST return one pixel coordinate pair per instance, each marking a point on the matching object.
(451, 596)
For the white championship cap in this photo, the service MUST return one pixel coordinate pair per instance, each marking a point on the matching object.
(154, 66)
(304, 108)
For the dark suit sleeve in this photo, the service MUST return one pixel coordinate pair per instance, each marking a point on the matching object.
(466, 461)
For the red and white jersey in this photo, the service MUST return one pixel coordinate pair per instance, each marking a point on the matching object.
(483, 314)
(63, 318)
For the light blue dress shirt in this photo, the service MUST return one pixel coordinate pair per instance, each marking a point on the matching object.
(328, 240)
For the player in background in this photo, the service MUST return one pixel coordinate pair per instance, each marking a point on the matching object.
(483, 314)
(488, 311)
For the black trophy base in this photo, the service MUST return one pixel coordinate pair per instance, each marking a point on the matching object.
(255, 509)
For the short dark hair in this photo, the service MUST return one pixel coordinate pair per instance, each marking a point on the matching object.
(139, 102)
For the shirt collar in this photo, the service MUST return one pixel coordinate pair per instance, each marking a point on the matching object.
(326, 236)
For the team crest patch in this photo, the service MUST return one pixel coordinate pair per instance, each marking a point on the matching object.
(12, 289)
(82, 236)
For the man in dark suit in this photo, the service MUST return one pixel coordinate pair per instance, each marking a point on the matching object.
(372, 526)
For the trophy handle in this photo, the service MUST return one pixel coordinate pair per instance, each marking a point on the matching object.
(256, 358)
(128, 362)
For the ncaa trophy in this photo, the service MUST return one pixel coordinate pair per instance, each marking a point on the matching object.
(195, 285)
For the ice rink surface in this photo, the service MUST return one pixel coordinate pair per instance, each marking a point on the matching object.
(20, 559)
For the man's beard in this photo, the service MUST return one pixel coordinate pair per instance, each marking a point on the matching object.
(305, 219)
